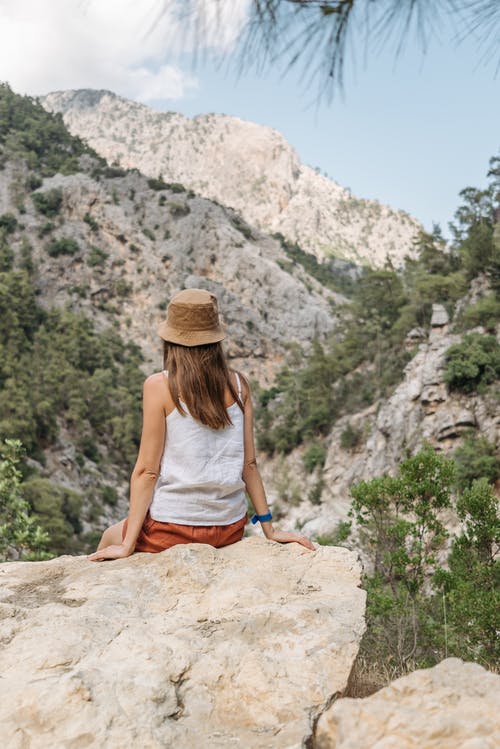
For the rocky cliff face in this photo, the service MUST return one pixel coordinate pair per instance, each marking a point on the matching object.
(420, 409)
(136, 246)
(191, 647)
(240, 164)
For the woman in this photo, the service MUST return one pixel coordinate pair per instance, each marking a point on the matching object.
(197, 453)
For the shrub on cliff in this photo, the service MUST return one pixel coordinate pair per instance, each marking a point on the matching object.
(470, 584)
(476, 458)
(472, 363)
(49, 202)
(420, 608)
(20, 535)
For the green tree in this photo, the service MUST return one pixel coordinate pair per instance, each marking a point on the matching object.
(471, 583)
(476, 458)
(400, 528)
(20, 535)
(472, 363)
(40, 138)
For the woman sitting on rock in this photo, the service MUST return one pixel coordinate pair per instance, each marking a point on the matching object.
(197, 453)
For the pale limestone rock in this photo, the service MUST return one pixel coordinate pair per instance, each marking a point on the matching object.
(420, 409)
(152, 252)
(451, 706)
(439, 316)
(240, 164)
(192, 647)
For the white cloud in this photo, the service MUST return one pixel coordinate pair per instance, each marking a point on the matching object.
(131, 47)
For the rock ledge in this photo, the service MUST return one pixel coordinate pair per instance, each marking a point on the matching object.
(195, 646)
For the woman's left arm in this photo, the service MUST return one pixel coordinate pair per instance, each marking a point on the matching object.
(147, 467)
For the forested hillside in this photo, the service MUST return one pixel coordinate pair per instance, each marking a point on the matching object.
(89, 256)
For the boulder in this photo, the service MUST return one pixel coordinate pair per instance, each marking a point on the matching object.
(192, 647)
(451, 706)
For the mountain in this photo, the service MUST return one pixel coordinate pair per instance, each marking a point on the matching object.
(89, 257)
(90, 254)
(240, 164)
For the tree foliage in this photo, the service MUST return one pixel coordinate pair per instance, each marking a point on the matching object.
(472, 363)
(421, 608)
(41, 139)
(56, 369)
(321, 34)
(21, 537)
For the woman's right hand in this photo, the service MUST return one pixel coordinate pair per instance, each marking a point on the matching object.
(284, 537)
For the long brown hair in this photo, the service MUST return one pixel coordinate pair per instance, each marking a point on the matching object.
(203, 374)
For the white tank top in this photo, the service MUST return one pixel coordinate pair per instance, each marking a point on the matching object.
(200, 479)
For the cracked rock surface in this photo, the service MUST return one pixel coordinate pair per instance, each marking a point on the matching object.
(195, 646)
(453, 705)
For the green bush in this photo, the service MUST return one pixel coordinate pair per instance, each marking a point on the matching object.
(179, 209)
(242, 227)
(90, 220)
(420, 609)
(350, 438)
(64, 246)
(109, 495)
(315, 493)
(486, 312)
(33, 182)
(112, 172)
(176, 187)
(58, 510)
(470, 584)
(48, 203)
(472, 363)
(315, 455)
(401, 531)
(46, 229)
(340, 534)
(476, 458)
(157, 183)
(123, 288)
(20, 534)
(96, 257)
(8, 222)
(6, 256)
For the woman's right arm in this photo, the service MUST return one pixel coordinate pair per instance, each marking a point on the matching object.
(253, 481)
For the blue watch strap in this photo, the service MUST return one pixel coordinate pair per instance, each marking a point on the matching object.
(261, 518)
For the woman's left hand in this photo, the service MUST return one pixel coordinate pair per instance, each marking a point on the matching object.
(115, 551)
(284, 537)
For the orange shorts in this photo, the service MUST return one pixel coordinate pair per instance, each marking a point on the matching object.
(156, 536)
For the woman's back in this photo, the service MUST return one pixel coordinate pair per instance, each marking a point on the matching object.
(197, 451)
(200, 480)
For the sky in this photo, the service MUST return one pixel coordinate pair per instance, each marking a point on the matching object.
(410, 132)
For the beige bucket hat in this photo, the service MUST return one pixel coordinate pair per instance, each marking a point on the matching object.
(192, 319)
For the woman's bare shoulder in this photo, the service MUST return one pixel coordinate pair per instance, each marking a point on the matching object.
(156, 383)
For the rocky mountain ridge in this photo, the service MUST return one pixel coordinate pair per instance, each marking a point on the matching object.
(135, 246)
(249, 167)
